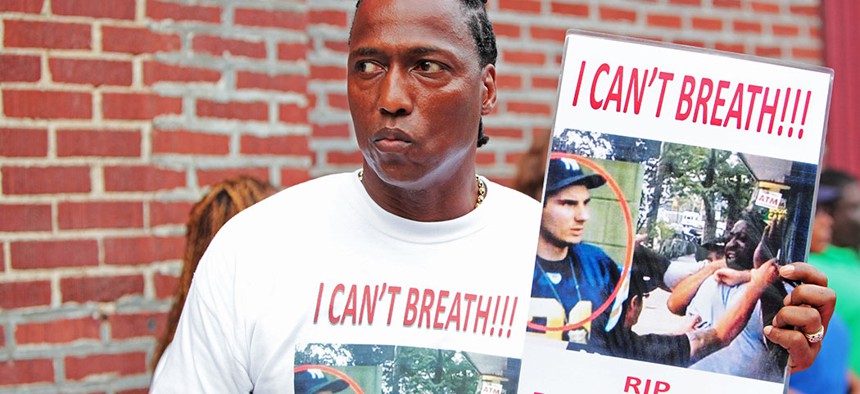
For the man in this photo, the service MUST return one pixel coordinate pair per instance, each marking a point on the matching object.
(420, 76)
(839, 201)
(572, 279)
(738, 255)
(711, 299)
(831, 371)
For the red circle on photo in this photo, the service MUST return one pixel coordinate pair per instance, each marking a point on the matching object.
(628, 259)
(334, 371)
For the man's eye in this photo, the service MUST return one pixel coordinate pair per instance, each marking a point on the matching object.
(367, 67)
(429, 66)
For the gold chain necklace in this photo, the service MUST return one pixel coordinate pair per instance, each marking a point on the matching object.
(482, 188)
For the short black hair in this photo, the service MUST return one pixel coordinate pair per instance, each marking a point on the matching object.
(485, 42)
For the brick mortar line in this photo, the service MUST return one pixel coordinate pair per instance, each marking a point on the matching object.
(88, 348)
(252, 34)
(96, 37)
(71, 311)
(327, 31)
(97, 102)
(268, 5)
(226, 163)
(137, 81)
(54, 200)
(57, 274)
(65, 19)
(51, 153)
(140, 11)
(275, 176)
(227, 127)
(146, 143)
(337, 5)
(55, 217)
(100, 251)
(233, 146)
(56, 294)
(149, 291)
(343, 144)
(223, 96)
(238, 63)
(90, 234)
(63, 87)
(72, 161)
(7, 258)
(90, 55)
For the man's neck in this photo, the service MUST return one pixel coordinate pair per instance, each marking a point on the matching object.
(447, 199)
(551, 251)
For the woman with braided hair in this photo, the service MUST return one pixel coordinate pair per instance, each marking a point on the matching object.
(225, 200)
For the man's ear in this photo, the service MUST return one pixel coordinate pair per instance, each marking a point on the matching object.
(488, 79)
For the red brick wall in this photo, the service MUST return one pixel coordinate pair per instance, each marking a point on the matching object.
(116, 115)
(843, 128)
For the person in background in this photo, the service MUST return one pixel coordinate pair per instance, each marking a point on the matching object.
(225, 200)
(830, 373)
(839, 197)
(532, 166)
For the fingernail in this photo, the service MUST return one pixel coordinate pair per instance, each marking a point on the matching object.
(786, 270)
(767, 330)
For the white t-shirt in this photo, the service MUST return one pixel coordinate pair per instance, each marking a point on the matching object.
(306, 265)
(746, 355)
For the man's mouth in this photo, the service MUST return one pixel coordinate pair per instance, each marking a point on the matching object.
(391, 140)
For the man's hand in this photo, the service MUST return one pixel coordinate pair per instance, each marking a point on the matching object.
(732, 277)
(764, 275)
(771, 241)
(808, 308)
(688, 323)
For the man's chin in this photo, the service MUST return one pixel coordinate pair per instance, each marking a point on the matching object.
(574, 240)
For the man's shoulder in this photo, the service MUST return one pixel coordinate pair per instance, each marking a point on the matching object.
(323, 186)
(585, 248)
(511, 208)
(300, 203)
(836, 256)
(319, 189)
(511, 197)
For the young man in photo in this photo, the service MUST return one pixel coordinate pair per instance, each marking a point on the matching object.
(572, 278)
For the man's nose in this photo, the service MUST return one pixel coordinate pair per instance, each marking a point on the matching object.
(394, 96)
(582, 214)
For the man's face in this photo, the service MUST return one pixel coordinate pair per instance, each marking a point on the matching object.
(846, 217)
(564, 216)
(416, 89)
(741, 245)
